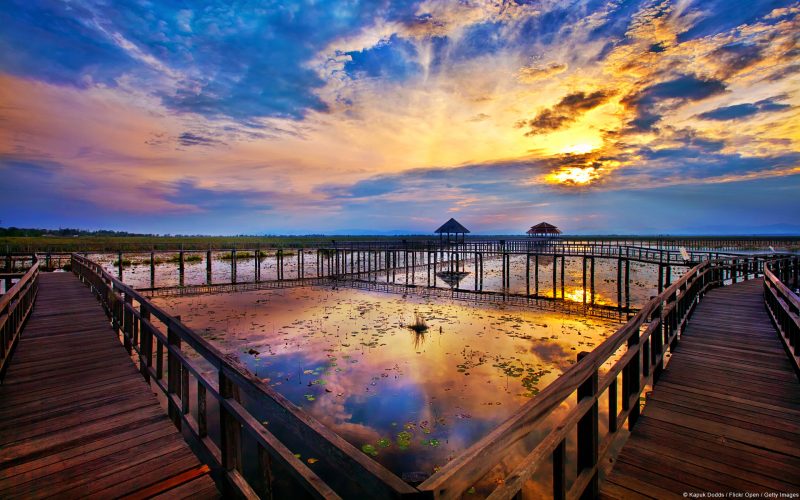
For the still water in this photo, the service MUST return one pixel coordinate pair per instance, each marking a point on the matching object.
(410, 400)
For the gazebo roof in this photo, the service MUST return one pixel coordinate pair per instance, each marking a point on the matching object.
(544, 227)
(452, 226)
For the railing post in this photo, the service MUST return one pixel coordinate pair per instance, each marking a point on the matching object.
(630, 382)
(127, 324)
(588, 434)
(173, 374)
(230, 431)
(612, 406)
(560, 471)
(146, 345)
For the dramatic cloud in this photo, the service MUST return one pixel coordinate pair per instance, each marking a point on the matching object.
(650, 102)
(324, 116)
(190, 139)
(568, 109)
(744, 110)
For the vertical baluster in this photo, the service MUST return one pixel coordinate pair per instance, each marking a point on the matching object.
(202, 415)
(588, 434)
(127, 327)
(173, 374)
(612, 406)
(146, 347)
(230, 430)
(560, 471)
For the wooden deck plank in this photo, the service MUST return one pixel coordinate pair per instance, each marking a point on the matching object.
(725, 414)
(76, 417)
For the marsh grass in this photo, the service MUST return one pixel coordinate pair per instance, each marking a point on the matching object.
(241, 255)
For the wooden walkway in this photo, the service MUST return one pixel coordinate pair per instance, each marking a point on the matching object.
(725, 414)
(76, 417)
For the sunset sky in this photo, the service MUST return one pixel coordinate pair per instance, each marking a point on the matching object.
(377, 117)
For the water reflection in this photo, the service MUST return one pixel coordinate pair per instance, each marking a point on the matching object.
(345, 357)
(452, 278)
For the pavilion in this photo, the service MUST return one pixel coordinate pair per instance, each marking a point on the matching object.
(543, 229)
(452, 227)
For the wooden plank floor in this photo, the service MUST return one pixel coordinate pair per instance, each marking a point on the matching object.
(76, 417)
(725, 415)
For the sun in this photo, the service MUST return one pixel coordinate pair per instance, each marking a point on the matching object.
(579, 149)
(573, 175)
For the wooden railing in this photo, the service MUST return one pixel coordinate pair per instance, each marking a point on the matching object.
(236, 394)
(783, 303)
(645, 339)
(15, 308)
(636, 354)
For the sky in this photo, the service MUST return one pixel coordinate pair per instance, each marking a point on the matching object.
(344, 117)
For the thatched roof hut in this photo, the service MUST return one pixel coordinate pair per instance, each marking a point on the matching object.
(543, 229)
(452, 227)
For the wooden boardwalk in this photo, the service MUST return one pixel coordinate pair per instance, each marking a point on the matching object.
(76, 417)
(725, 414)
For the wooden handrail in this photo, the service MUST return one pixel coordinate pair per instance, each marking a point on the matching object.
(646, 338)
(232, 389)
(15, 308)
(783, 304)
(664, 317)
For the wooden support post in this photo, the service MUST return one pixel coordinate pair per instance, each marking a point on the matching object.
(668, 276)
(588, 434)
(612, 406)
(429, 268)
(208, 267)
(434, 269)
(159, 359)
(233, 265)
(505, 271)
(152, 269)
(481, 264)
(257, 265)
(476, 271)
(230, 429)
(583, 286)
(202, 415)
(591, 279)
(127, 324)
(555, 276)
(413, 267)
(119, 265)
(563, 263)
(630, 383)
(560, 471)
(619, 284)
(628, 284)
(536, 275)
(146, 344)
(173, 376)
(660, 278)
(528, 274)
(181, 266)
(300, 258)
(508, 271)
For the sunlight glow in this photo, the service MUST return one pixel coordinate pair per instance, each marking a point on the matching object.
(573, 175)
(579, 149)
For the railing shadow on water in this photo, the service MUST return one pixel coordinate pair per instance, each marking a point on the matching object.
(636, 354)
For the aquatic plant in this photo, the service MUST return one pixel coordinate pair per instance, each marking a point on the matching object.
(419, 325)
